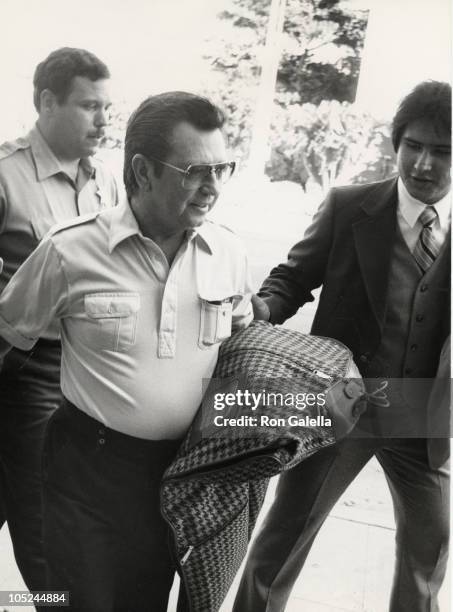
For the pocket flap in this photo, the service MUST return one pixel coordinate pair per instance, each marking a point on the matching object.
(110, 305)
(216, 296)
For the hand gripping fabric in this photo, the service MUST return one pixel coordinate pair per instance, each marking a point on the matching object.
(213, 491)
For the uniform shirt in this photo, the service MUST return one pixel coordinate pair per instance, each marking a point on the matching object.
(409, 211)
(138, 336)
(36, 193)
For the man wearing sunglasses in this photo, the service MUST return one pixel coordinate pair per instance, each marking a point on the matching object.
(145, 293)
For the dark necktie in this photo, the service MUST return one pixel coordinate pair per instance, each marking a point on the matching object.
(427, 247)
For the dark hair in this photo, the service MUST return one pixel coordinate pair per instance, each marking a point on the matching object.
(60, 67)
(429, 100)
(150, 127)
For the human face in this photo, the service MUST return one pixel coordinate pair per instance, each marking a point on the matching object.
(172, 209)
(78, 124)
(424, 161)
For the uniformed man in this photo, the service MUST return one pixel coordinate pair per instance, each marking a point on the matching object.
(145, 292)
(46, 177)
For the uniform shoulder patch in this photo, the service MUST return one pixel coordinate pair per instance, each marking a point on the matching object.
(11, 146)
(80, 220)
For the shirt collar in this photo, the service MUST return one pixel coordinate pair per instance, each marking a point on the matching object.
(46, 162)
(410, 208)
(123, 224)
(204, 236)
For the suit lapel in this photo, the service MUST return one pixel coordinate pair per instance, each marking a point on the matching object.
(374, 237)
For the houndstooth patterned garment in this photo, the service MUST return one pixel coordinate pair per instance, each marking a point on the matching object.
(213, 491)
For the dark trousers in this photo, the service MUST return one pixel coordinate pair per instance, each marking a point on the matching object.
(304, 498)
(29, 394)
(105, 539)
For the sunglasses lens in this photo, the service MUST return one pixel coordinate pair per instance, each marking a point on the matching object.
(197, 174)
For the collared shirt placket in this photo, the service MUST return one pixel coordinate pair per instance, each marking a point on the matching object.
(166, 347)
(167, 329)
(60, 190)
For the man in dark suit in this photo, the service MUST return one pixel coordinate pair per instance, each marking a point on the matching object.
(382, 255)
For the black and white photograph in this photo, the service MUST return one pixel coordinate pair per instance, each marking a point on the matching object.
(225, 286)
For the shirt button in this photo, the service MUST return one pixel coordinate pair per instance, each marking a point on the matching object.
(424, 288)
(101, 440)
(419, 318)
(101, 431)
(414, 347)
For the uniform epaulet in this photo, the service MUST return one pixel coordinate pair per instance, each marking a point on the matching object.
(80, 220)
(11, 146)
(228, 229)
(215, 224)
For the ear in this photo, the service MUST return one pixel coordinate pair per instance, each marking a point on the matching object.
(143, 171)
(47, 101)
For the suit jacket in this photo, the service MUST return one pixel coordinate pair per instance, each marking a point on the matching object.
(439, 409)
(348, 250)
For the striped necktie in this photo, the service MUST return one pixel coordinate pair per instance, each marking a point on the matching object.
(427, 247)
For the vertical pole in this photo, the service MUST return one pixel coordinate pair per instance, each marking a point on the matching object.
(259, 148)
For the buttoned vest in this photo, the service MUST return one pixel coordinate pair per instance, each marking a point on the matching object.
(416, 309)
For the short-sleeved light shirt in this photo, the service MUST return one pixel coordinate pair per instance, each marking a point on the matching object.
(36, 193)
(138, 336)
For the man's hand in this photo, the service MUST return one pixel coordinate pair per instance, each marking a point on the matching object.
(260, 309)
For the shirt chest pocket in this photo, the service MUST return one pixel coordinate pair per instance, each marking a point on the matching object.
(112, 318)
(216, 317)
